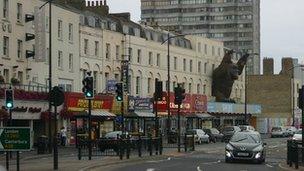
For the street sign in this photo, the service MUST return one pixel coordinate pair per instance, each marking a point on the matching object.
(15, 139)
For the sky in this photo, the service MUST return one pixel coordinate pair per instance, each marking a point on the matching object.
(282, 26)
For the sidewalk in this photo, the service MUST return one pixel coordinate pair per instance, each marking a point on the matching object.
(286, 167)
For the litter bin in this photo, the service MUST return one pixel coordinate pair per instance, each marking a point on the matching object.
(42, 144)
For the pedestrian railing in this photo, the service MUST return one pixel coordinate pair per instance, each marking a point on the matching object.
(187, 142)
(121, 147)
(295, 153)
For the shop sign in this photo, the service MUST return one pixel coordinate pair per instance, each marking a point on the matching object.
(143, 104)
(76, 104)
(125, 74)
(15, 139)
(111, 85)
(199, 103)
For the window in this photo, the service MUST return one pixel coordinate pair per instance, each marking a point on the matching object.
(198, 88)
(19, 12)
(213, 51)
(150, 58)
(59, 62)
(71, 62)
(205, 67)
(199, 47)
(130, 54)
(6, 75)
(20, 77)
(95, 81)
(106, 79)
(5, 46)
(19, 49)
(149, 85)
(204, 89)
(199, 66)
(5, 9)
(190, 87)
(70, 32)
(175, 63)
(86, 46)
(117, 52)
(139, 56)
(59, 29)
(190, 66)
(158, 60)
(184, 64)
(96, 48)
(205, 49)
(108, 51)
(137, 85)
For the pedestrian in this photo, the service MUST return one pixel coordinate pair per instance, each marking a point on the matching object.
(63, 136)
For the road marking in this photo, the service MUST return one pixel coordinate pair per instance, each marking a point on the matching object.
(198, 168)
(150, 169)
(158, 161)
(268, 165)
(273, 146)
(209, 163)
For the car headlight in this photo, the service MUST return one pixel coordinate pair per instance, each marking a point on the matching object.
(258, 148)
(258, 155)
(229, 147)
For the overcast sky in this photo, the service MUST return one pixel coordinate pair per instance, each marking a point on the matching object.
(282, 26)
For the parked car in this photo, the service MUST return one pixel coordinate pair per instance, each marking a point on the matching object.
(291, 130)
(200, 136)
(228, 132)
(246, 128)
(246, 145)
(298, 136)
(279, 132)
(214, 134)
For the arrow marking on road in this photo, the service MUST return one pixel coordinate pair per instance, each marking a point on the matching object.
(198, 168)
(268, 165)
(150, 169)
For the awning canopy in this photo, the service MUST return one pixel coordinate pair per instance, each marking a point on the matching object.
(145, 114)
(96, 113)
(204, 115)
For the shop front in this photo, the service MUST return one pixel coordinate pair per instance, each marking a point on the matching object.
(75, 116)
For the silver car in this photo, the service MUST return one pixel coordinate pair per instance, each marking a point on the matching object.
(279, 132)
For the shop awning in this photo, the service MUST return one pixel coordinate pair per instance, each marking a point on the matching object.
(145, 114)
(97, 113)
(204, 116)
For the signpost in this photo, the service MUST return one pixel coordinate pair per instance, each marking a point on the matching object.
(15, 139)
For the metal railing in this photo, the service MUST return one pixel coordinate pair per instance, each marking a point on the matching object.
(29, 87)
(295, 153)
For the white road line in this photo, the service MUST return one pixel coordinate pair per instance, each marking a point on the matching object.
(198, 168)
(150, 169)
(273, 146)
(268, 165)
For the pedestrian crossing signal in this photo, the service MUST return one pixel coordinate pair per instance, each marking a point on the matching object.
(9, 98)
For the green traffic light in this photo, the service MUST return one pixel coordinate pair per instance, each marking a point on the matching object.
(119, 98)
(89, 94)
(9, 105)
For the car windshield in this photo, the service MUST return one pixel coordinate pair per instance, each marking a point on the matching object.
(228, 129)
(276, 129)
(245, 138)
(243, 128)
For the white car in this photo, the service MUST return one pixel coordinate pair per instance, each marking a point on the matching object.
(200, 136)
(279, 131)
(298, 136)
(291, 130)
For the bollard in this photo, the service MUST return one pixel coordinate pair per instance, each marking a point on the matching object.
(121, 149)
(288, 152)
(156, 145)
(139, 146)
(296, 155)
(185, 142)
(79, 152)
(160, 145)
(193, 142)
(128, 144)
(150, 145)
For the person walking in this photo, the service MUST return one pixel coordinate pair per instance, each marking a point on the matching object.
(63, 136)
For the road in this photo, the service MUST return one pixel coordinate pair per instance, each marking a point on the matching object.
(210, 157)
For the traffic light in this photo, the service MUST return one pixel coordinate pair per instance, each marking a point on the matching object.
(158, 95)
(88, 87)
(9, 98)
(300, 104)
(179, 93)
(119, 92)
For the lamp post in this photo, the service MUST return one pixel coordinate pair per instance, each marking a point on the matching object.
(50, 69)
(168, 81)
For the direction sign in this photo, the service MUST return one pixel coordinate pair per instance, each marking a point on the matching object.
(15, 139)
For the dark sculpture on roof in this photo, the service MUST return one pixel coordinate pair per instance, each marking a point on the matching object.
(224, 76)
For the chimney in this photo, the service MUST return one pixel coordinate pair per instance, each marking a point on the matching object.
(268, 66)
(287, 66)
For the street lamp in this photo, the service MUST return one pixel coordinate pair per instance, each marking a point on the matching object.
(50, 72)
(292, 90)
(168, 81)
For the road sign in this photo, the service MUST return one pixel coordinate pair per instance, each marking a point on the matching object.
(15, 139)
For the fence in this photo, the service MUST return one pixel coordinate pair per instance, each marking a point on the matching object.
(34, 88)
(132, 146)
(295, 153)
(187, 142)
